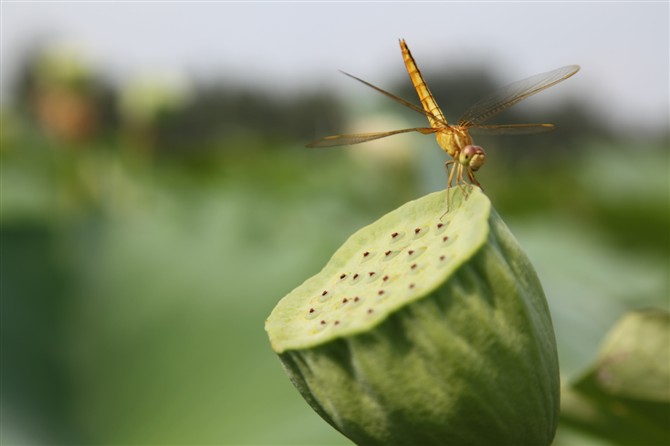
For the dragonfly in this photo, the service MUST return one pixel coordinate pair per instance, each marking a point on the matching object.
(455, 139)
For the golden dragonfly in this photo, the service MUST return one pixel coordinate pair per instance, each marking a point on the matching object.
(455, 139)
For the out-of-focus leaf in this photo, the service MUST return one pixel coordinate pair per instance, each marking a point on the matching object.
(635, 361)
(625, 396)
(589, 291)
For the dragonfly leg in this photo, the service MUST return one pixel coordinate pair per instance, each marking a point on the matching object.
(450, 173)
(450, 177)
(473, 180)
(461, 183)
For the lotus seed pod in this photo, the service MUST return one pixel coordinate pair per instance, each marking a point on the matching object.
(425, 328)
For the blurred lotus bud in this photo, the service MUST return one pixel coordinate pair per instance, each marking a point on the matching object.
(64, 94)
(149, 99)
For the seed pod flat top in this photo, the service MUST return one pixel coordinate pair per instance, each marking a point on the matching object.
(399, 259)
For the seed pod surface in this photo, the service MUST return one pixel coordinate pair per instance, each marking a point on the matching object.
(425, 328)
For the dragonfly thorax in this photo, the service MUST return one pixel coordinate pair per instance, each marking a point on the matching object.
(457, 142)
(452, 140)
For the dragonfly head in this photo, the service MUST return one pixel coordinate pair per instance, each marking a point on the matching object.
(472, 157)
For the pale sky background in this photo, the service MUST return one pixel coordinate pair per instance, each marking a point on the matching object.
(623, 47)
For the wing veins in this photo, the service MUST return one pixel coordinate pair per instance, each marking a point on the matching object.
(511, 129)
(358, 138)
(400, 100)
(513, 93)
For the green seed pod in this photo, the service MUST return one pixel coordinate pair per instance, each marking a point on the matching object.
(425, 330)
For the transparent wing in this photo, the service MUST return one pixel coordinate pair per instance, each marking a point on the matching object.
(400, 100)
(511, 94)
(511, 129)
(357, 138)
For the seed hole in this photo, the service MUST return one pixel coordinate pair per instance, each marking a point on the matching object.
(312, 313)
(320, 326)
(414, 253)
(380, 292)
(411, 286)
(415, 268)
(420, 232)
(385, 278)
(367, 256)
(372, 276)
(343, 276)
(398, 235)
(324, 296)
(388, 255)
(370, 310)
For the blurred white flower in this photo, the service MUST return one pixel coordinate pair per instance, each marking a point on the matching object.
(394, 150)
(148, 96)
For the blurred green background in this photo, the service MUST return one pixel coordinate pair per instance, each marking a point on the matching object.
(148, 228)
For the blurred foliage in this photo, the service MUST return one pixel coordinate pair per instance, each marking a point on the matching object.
(625, 396)
(138, 262)
(59, 92)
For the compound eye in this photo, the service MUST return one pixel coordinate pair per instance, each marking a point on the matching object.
(473, 156)
(470, 151)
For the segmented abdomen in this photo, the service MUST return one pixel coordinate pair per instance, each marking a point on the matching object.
(436, 118)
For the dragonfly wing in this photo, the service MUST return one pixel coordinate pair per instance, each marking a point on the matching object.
(431, 117)
(511, 94)
(357, 138)
(511, 129)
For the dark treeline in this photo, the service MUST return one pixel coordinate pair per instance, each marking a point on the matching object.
(226, 116)
(219, 116)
